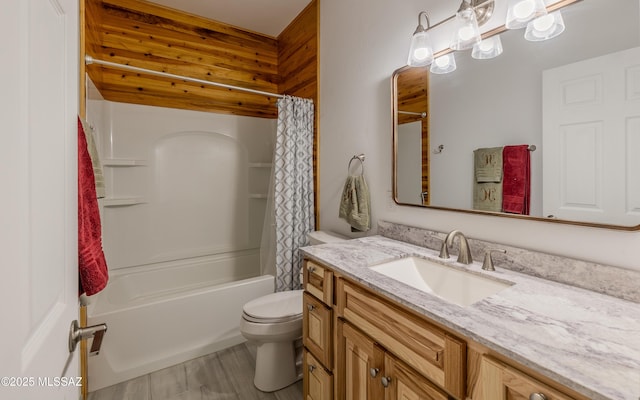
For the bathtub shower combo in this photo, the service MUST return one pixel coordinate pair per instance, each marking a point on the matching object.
(182, 223)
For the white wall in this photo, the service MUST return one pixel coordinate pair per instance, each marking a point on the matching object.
(362, 43)
(201, 189)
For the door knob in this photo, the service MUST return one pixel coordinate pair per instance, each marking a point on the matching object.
(77, 334)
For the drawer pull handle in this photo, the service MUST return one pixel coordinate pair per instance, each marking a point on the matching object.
(374, 372)
(310, 307)
(386, 381)
(537, 396)
(311, 368)
(311, 269)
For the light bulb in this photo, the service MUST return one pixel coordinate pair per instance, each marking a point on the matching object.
(444, 64)
(466, 33)
(443, 61)
(486, 45)
(543, 23)
(520, 12)
(489, 48)
(523, 9)
(421, 53)
(545, 27)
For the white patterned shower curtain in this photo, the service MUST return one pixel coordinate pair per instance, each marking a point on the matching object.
(292, 188)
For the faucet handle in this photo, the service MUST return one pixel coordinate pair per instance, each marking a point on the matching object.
(487, 264)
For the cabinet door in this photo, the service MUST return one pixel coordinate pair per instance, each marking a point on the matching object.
(317, 329)
(362, 366)
(501, 382)
(403, 383)
(426, 348)
(317, 382)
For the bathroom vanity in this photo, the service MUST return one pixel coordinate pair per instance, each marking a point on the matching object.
(367, 335)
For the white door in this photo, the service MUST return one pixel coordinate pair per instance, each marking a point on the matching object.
(591, 140)
(38, 196)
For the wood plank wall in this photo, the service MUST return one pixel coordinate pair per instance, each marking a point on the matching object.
(146, 35)
(298, 64)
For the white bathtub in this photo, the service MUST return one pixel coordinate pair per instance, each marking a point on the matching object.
(166, 314)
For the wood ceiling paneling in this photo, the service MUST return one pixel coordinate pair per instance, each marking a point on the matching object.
(146, 35)
(412, 86)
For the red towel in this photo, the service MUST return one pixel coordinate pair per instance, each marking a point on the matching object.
(92, 265)
(516, 181)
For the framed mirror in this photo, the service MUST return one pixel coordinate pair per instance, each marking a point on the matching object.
(575, 99)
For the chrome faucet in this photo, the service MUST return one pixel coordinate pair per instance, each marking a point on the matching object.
(464, 252)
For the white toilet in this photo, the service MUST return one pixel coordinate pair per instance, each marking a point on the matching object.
(274, 323)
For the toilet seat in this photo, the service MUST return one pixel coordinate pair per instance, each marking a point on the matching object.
(274, 308)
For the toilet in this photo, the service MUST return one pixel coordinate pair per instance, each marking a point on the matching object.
(274, 323)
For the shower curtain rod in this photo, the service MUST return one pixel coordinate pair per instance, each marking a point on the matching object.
(90, 60)
(422, 114)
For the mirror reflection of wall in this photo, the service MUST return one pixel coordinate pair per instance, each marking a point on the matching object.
(409, 166)
(498, 102)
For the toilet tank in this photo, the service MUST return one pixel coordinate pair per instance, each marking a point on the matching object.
(320, 237)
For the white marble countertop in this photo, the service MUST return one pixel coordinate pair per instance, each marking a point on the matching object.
(584, 340)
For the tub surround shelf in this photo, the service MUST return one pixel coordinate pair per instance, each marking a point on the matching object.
(123, 162)
(122, 201)
(260, 165)
(585, 341)
(257, 196)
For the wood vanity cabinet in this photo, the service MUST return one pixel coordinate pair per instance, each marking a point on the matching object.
(500, 381)
(362, 345)
(318, 281)
(317, 381)
(370, 372)
(418, 356)
(317, 332)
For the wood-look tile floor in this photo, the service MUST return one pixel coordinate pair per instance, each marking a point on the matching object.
(226, 375)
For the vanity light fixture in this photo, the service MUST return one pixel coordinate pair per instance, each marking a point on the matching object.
(443, 64)
(545, 27)
(488, 48)
(420, 51)
(466, 32)
(520, 12)
(472, 14)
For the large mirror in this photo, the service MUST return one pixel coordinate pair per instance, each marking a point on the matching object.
(573, 102)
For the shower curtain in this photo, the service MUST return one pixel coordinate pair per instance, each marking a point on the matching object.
(292, 187)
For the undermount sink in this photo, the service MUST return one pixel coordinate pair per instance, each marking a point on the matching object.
(454, 285)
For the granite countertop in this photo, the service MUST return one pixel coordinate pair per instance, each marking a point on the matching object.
(584, 340)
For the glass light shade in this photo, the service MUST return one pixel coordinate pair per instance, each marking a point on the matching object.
(444, 64)
(520, 12)
(487, 48)
(420, 51)
(545, 27)
(466, 32)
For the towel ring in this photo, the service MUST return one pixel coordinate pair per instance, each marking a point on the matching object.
(359, 157)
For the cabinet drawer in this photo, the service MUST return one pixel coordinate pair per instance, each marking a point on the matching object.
(318, 281)
(502, 382)
(318, 383)
(317, 329)
(407, 384)
(426, 348)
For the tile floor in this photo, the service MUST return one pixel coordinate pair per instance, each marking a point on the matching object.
(226, 375)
